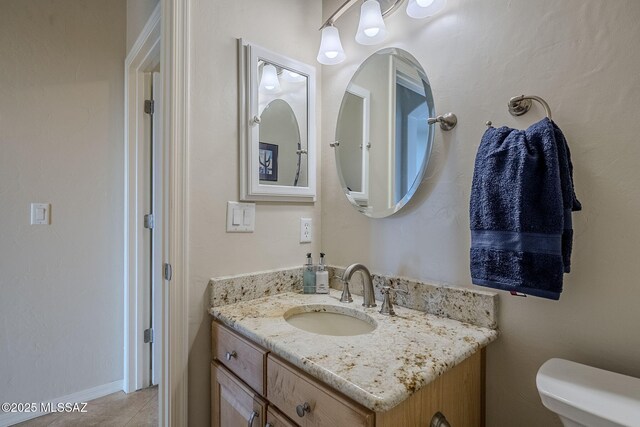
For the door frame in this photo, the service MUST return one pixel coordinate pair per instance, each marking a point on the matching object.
(165, 32)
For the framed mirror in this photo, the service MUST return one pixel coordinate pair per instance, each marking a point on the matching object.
(277, 127)
(383, 136)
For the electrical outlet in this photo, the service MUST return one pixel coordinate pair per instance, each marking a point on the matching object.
(306, 230)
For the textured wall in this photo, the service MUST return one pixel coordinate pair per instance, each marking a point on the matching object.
(61, 121)
(578, 55)
(288, 27)
(138, 12)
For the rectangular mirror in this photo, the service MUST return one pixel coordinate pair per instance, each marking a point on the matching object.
(277, 127)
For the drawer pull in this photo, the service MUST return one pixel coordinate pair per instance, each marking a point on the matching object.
(301, 410)
(231, 355)
(439, 420)
(252, 418)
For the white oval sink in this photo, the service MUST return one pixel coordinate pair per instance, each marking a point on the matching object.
(330, 320)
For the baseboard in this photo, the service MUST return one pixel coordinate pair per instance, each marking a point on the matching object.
(8, 419)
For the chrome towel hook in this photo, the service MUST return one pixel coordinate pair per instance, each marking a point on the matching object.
(519, 105)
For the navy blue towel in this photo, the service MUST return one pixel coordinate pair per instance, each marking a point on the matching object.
(521, 202)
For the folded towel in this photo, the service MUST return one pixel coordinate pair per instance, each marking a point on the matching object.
(521, 202)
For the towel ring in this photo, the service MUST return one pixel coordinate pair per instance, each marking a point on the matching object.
(519, 105)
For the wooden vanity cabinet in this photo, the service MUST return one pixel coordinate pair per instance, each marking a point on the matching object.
(242, 357)
(289, 390)
(246, 379)
(276, 419)
(232, 402)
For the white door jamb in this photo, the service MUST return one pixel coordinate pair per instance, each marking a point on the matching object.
(166, 32)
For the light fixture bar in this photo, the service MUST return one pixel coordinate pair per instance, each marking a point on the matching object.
(349, 4)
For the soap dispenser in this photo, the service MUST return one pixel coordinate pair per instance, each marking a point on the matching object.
(309, 277)
(322, 277)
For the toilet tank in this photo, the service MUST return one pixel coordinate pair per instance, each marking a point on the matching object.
(589, 395)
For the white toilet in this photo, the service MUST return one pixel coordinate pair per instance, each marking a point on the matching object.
(585, 396)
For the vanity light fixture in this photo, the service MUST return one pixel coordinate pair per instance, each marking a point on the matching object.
(331, 51)
(269, 81)
(292, 76)
(424, 8)
(371, 27)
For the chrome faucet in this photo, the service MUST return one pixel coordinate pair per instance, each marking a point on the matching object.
(367, 285)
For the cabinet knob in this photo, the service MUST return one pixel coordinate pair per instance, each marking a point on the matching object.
(301, 410)
(439, 420)
(256, 120)
(231, 355)
(252, 418)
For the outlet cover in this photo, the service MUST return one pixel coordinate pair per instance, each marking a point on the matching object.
(306, 230)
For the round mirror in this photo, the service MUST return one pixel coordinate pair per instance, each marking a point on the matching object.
(282, 159)
(383, 141)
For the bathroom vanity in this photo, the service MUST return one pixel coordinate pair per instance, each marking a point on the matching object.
(408, 370)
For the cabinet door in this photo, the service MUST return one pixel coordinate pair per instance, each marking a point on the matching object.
(456, 396)
(276, 419)
(233, 404)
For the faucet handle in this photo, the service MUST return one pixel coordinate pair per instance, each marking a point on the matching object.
(346, 295)
(388, 289)
(387, 306)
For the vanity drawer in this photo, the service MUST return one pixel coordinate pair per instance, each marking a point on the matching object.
(243, 358)
(290, 390)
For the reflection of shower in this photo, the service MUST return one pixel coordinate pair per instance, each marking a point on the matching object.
(300, 152)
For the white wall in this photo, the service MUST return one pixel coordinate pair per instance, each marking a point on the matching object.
(288, 27)
(61, 121)
(138, 13)
(581, 57)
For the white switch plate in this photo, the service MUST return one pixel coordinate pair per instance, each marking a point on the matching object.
(241, 217)
(40, 213)
(306, 230)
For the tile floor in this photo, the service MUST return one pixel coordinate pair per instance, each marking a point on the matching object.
(139, 409)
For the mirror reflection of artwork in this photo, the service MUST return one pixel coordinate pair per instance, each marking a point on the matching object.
(279, 127)
(268, 162)
(384, 140)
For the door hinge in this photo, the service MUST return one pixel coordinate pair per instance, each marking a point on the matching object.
(148, 335)
(167, 271)
(149, 221)
(149, 106)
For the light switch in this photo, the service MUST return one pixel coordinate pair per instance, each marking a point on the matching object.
(241, 217)
(248, 218)
(40, 213)
(238, 216)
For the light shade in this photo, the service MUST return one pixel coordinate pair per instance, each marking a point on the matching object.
(371, 29)
(331, 51)
(269, 81)
(292, 76)
(424, 8)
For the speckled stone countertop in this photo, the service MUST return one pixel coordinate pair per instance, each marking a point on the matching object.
(379, 369)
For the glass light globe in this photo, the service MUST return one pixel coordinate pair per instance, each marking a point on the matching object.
(331, 51)
(371, 28)
(424, 8)
(269, 81)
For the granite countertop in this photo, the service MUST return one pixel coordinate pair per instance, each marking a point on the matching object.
(379, 369)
